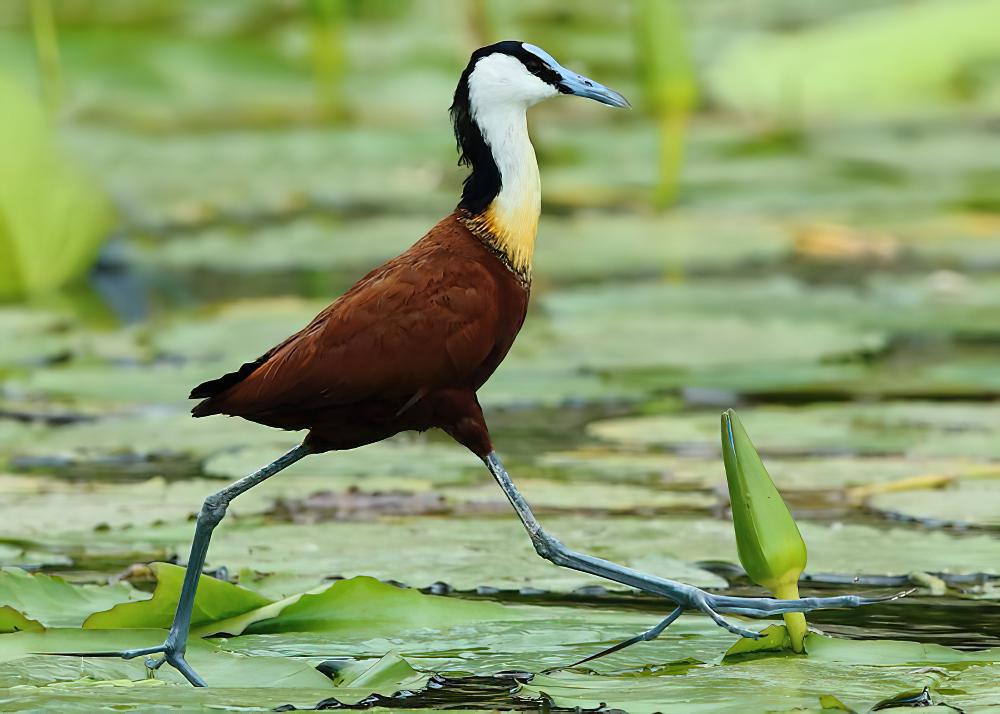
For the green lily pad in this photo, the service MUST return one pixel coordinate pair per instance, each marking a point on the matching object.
(32, 335)
(97, 384)
(43, 506)
(466, 552)
(202, 175)
(568, 248)
(216, 600)
(526, 638)
(551, 495)
(887, 653)
(238, 333)
(368, 604)
(774, 638)
(770, 685)
(221, 607)
(405, 462)
(860, 673)
(892, 652)
(95, 692)
(306, 244)
(635, 327)
(13, 621)
(153, 434)
(387, 676)
(912, 428)
(215, 664)
(968, 502)
(679, 470)
(51, 601)
(521, 382)
(360, 602)
(471, 552)
(577, 248)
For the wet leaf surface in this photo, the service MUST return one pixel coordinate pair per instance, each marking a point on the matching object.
(964, 503)
(921, 429)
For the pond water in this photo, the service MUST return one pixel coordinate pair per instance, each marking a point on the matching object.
(838, 284)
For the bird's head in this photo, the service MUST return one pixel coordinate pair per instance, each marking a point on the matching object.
(521, 74)
(500, 82)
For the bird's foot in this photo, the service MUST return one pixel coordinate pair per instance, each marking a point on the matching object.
(692, 598)
(172, 655)
(769, 607)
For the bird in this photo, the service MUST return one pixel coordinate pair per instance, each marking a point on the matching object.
(410, 344)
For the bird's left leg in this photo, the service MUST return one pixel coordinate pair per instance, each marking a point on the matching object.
(212, 512)
(687, 597)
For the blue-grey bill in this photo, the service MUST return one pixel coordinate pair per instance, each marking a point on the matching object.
(573, 83)
(579, 85)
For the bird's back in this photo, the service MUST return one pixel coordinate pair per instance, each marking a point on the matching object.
(434, 321)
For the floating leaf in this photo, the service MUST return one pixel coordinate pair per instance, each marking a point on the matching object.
(360, 602)
(216, 600)
(861, 672)
(13, 621)
(467, 552)
(216, 665)
(965, 502)
(368, 604)
(773, 638)
(157, 434)
(387, 676)
(891, 652)
(405, 462)
(922, 429)
(832, 703)
(50, 600)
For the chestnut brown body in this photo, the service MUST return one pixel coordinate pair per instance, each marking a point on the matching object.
(404, 349)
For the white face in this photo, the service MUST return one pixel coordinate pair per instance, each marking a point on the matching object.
(500, 79)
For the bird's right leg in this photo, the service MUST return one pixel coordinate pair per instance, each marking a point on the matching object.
(211, 514)
(684, 596)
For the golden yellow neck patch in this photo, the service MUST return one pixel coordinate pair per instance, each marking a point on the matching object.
(509, 223)
(512, 234)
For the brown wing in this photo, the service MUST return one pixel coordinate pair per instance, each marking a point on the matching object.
(416, 323)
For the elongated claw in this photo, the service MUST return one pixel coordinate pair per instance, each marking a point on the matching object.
(703, 602)
(698, 600)
(171, 656)
(152, 663)
(711, 605)
(650, 634)
(768, 607)
(132, 654)
(170, 653)
(180, 664)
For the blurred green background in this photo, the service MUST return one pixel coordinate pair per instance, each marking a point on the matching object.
(801, 218)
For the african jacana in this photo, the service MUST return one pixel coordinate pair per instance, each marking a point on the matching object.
(409, 345)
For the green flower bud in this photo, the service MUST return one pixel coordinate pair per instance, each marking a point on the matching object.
(770, 546)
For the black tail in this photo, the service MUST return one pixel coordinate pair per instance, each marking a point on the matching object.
(214, 387)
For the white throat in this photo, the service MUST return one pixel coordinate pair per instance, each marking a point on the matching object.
(505, 129)
(500, 92)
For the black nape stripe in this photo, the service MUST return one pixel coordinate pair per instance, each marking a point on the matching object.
(483, 184)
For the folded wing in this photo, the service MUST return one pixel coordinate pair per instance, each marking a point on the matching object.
(407, 328)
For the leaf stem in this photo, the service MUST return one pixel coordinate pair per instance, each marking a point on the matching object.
(795, 622)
